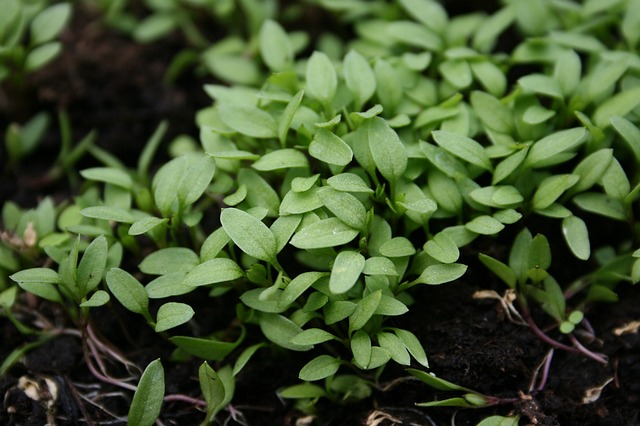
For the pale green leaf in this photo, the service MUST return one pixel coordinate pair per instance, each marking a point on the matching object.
(250, 234)
(169, 260)
(319, 368)
(281, 159)
(321, 77)
(275, 46)
(359, 77)
(325, 233)
(344, 206)
(148, 397)
(346, 270)
(463, 147)
(249, 120)
(128, 290)
(212, 272)
(577, 236)
(442, 248)
(173, 314)
(329, 148)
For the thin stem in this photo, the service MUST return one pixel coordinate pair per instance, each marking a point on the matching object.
(544, 337)
(593, 355)
(185, 398)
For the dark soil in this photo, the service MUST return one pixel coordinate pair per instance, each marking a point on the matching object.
(106, 82)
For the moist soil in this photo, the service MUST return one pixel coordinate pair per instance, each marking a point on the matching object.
(108, 83)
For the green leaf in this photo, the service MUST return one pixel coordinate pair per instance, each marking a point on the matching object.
(259, 192)
(128, 290)
(302, 391)
(440, 274)
(329, 148)
(349, 182)
(392, 344)
(629, 132)
(361, 348)
(442, 248)
(591, 169)
(550, 146)
(321, 77)
(115, 214)
(463, 147)
(169, 260)
(300, 202)
(281, 159)
(275, 46)
(209, 349)
(503, 272)
(500, 421)
(319, 368)
(92, 265)
(42, 55)
(428, 12)
(164, 184)
(298, 286)
(212, 272)
(49, 23)
(168, 285)
(249, 120)
(388, 85)
(108, 175)
(36, 275)
(346, 270)
(615, 181)
(287, 116)
(364, 310)
(542, 85)
(631, 23)
(359, 77)
(154, 27)
(490, 77)
(97, 299)
(281, 330)
(493, 113)
(263, 299)
(212, 389)
(539, 253)
(313, 336)
(601, 204)
(551, 189)
(149, 396)
(251, 235)
(617, 105)
(484, 225)
(245, 356)
(387, 150)
(195, 180)
(456, 72)
(411, 342)
(397, 247)
(325, 233)
(379, 265)
(345, 206)
(145, 225)
(414, 34)
(283, 228)
(173, 314)
(435, 382)
(567, 71)
(577, 236)
(509, 165)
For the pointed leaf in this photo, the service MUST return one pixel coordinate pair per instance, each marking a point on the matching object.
(321, 77)
(275, 46)
(346, 270)
(388, 151)
(149, 396)
(329, 148)
(319, 368)
(325, 233)
(577, 236)
(442, 248)
(128, 290)
(249, 120)
(251, 235)
(173, 314)
(463, 147)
